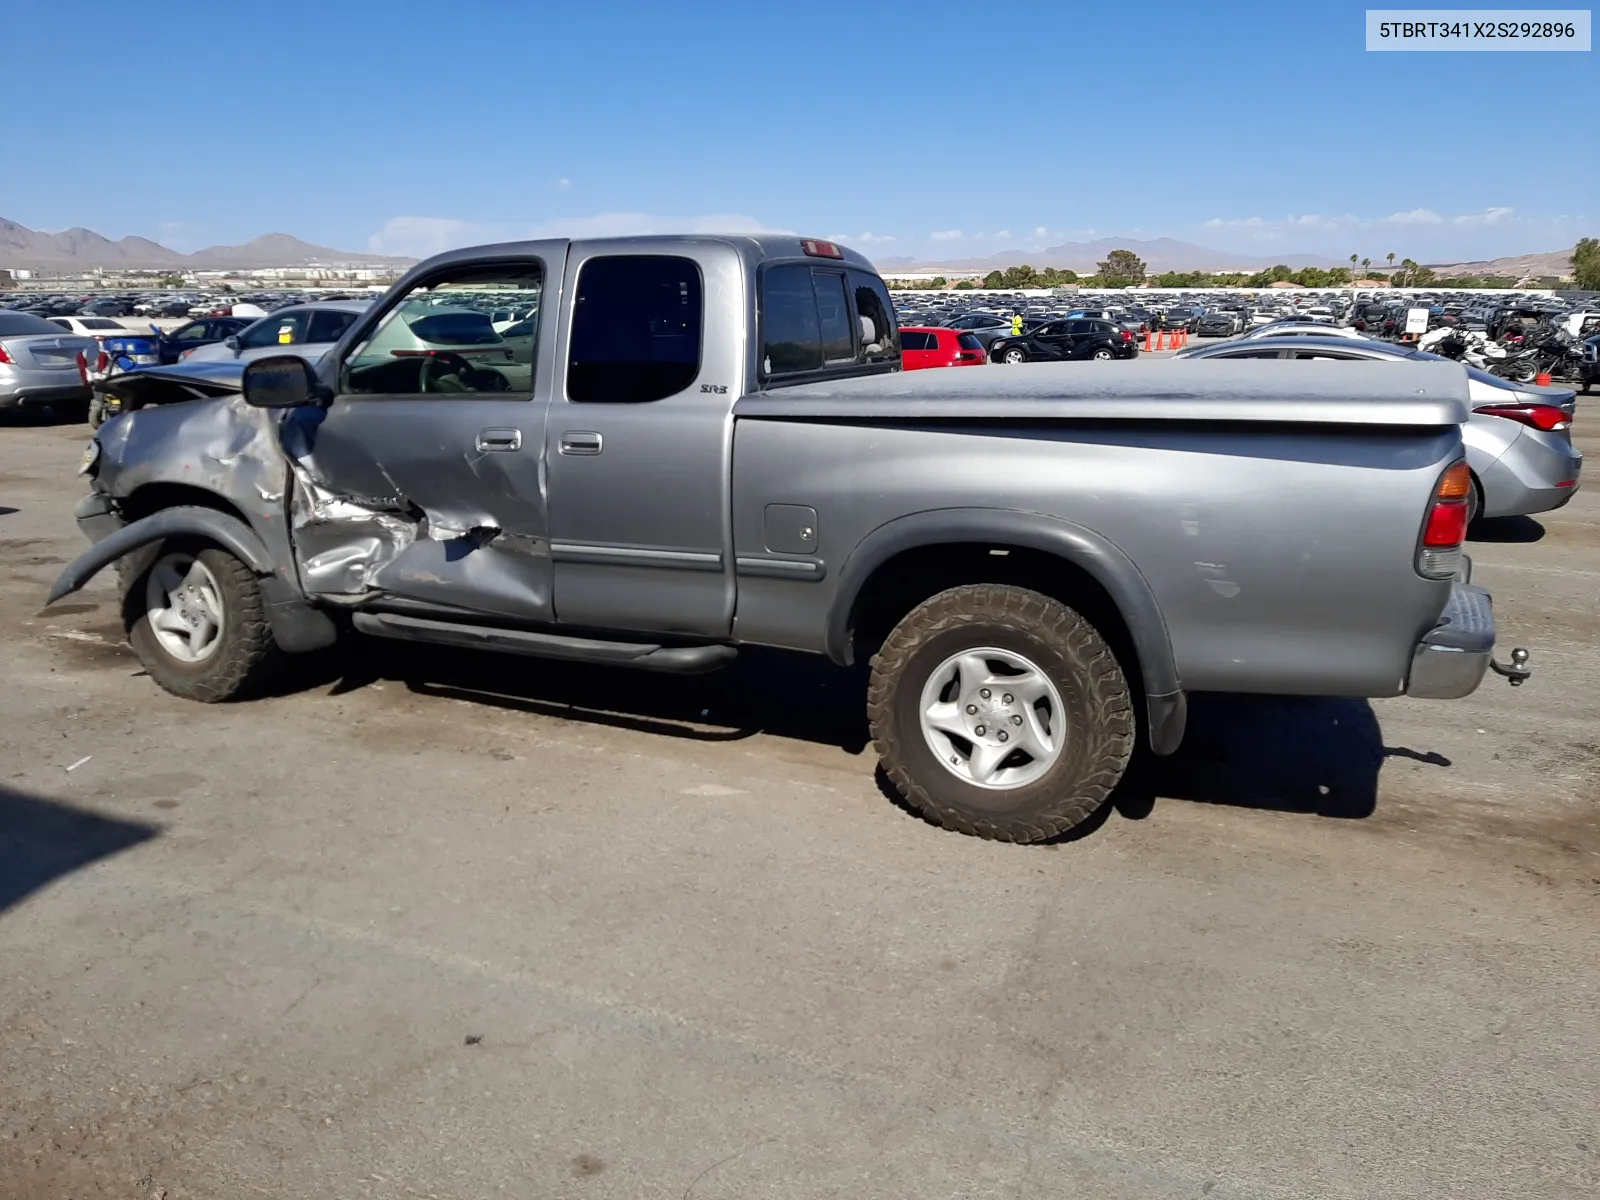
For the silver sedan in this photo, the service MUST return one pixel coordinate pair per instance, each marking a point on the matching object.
(43, 365)
(1518, 438)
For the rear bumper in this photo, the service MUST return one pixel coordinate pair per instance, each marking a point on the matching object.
(1451, 659)
(41, 394)
(1527, 478)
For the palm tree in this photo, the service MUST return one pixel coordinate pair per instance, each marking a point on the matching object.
(1391, 262)
(1407, 266)
(1365, 263)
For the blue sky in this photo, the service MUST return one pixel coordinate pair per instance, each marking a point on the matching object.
(928, 129)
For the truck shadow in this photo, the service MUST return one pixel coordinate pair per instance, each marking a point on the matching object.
(42, 840)
(1314, 755)
(786, 694)
(1305, 754)
(1506, 530)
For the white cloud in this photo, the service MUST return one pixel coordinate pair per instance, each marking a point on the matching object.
(1002, 233)
(1495, 215)
(867, 238)
(421, 236)
(1039, 231)
(946, 235)
(1417, 216)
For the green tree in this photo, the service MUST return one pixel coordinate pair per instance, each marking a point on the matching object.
(1124, 265)
(994, 279)
(965, 285)
(1353, 259)
(1390, 257)
(1365, 264)
(172, 281)
(1586, 264)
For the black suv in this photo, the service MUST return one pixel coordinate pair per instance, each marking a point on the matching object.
(1076, 337)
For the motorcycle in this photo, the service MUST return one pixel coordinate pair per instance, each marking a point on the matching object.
(1463, 345)
(118, 355)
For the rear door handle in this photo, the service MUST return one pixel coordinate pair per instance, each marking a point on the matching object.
(503, 440)
(580, 441)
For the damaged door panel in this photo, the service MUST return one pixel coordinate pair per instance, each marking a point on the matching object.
(423, 478)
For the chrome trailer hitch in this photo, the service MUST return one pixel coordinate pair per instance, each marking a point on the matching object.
(1518, 671)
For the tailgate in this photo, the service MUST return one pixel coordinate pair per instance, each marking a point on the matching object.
(41, 352)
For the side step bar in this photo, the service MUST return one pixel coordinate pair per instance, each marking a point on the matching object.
(675, 660)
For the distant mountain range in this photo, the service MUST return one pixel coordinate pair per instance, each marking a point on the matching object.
(1554, 262)
(80, 249)
(1161, 254)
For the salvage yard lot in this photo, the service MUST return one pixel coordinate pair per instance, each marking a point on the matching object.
(442, 925)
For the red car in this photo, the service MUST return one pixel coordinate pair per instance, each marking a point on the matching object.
(923, 346)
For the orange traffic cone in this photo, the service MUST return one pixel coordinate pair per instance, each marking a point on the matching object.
(1147, 339)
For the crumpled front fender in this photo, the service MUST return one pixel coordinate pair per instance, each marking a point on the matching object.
(297, 627)
(228, 532)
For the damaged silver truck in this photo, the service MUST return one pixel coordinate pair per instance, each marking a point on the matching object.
(651, 452)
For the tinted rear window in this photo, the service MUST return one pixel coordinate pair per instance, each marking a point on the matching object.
(15, 324)
(968, 341)
(636, 326)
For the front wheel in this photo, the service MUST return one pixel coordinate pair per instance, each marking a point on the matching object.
(1000, 712)
(1013, 356)
(198, 624)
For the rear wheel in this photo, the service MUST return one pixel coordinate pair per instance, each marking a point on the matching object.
(1103, 355)
(197, 621)
(1000, 712)
(1014, 355)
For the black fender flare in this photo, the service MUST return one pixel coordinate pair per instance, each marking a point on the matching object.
(1103, 560)
(297, 627)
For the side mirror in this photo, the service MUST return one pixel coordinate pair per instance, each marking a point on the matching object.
(232, 342)
(282, 381)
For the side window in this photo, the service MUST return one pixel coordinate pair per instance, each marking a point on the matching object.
(1252, 354)
(191, 333)
(1322, 354)
(329, 325)
(283, 329)
(791, 333)
(439, 339)
(67, 325)
(833, 307)
(875, 315)
(917, 341)
(1078, 327)
(636, 326)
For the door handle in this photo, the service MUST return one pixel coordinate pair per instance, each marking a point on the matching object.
(580, 441)
(503, 440)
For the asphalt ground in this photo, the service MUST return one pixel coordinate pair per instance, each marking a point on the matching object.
(443, 925)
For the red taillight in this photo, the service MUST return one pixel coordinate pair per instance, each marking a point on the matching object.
(83, 366)
(102, 362)
(1546, 417)
(1439, 555)
(1447, 525)
(818, 249)
(1127, 336)
(4, 357)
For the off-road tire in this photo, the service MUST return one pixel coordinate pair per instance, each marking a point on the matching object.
(1100, 727)
(247, 657)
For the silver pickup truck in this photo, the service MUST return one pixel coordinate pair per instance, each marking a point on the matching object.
(694, 444)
